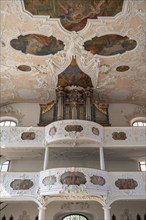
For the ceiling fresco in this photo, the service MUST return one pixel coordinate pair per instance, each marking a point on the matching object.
(37, 44)
(73, 76)
(109, 45)
(73, 14)
(122, 68)
(24, 68)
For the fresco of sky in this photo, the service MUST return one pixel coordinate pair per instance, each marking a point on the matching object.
(109, 45)
(37, 44)
(73, 14)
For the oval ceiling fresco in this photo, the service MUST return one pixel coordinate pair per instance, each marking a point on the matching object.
(109, 45)
(122, 68)
(37, 44)
(73, 76)
(24, 68)
(73, 14)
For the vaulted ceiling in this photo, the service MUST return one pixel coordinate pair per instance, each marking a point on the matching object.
(44, 39)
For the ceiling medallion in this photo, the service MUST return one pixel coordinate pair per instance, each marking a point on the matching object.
(24, 68)
(122, 68)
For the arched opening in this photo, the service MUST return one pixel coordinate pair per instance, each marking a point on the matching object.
(128, 209)
(113, 217)
(75, 217)
(138, 217)
(138, 122)
(8, 123)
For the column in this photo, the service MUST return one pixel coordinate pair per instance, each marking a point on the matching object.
(60, 94)
(102, 162)
(46, 158)
(107, 215)
(88, 104)
(41, 215)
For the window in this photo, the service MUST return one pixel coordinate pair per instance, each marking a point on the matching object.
(7, 123)
(139, 123)
(75, 217)
(5, 166)
(142, 165)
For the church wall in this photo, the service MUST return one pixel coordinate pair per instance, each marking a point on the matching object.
(26, 165)
(123, 210)
(20, 210)
(126, 209)
(54, 211)
(28, 113)
(120, 115)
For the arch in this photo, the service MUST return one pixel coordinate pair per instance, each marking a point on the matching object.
(113, 217)
(75, 217)
(138, 217)
(138, 119)
(23, 199)
(13, 121)
(115, 199)
(75, 199)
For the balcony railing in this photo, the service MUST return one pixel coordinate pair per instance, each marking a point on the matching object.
(72, 181)
(72, 133)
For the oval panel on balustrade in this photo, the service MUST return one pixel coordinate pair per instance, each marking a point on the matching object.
(119, 136)
(73, 178)
(49, 180)
(126, 183)
(19, 184)
(97, 180)
(95, 131)
(28, 136)
(73, 128)
(52, 131)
